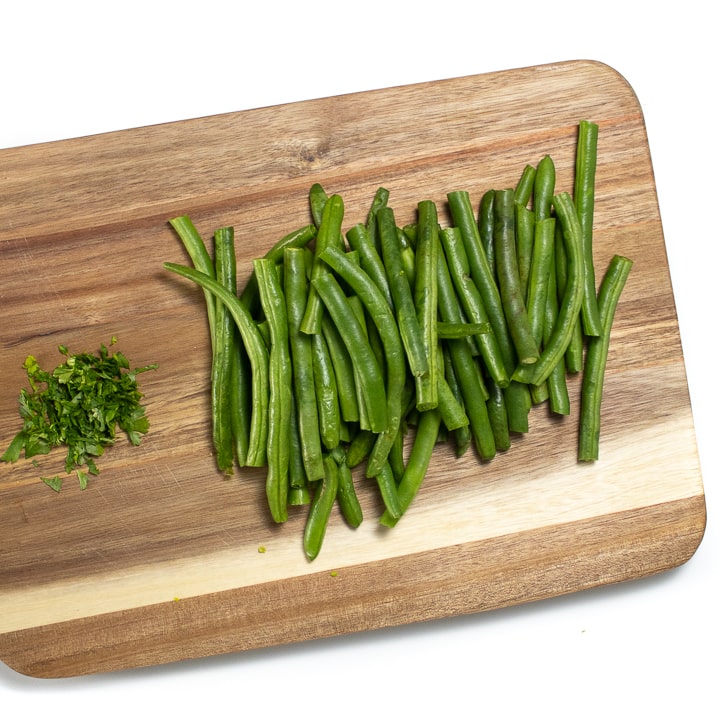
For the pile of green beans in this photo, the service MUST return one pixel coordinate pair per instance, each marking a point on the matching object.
(368, 348)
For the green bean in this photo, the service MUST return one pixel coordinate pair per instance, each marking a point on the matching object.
(542, 258)
(498, 415)
(298, 493)
(200, 258)
(360, 241)
(485, 228)
(320, 510)
(383, 320)
(576, 348)
(572, 298)
(257, 353)
(462, 435)
(326, 392)
(524, 239)
(481, 272)
(417, 465)
(402, 295)
(472, 387)
(373, 389)
(388, 487)
(611, 288)
(224, 355)
(301, 351)
(343, 370)
(426, 300)
(517, 403)
(356, 306)
(509, 280)
(544, 188)
(396, 456)
(359, 447)
(584, 198)
(298, 238)
(471, 302)
(317, 197)
(459, 330)
(451, 409)
(329, 234)
(380, 200)
(272, 301)
(558, 396)
(347, 496)
(523, 190)
(407, 256)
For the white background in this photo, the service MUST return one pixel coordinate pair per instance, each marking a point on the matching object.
(644, 649)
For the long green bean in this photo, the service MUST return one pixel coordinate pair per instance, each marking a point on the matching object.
(417, 464)
(225, 355)
(373, 386)
(572, 298)
(427, 246)
(471, 302)
(402, 295)
(321, 505)
(329, 234)
(509, 279)
(280, 408)
(611, 288)
(257, 353)
(383, 319)
(296, 291)
(584, 199)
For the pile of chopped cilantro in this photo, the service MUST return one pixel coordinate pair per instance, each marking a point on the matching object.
(79, 405)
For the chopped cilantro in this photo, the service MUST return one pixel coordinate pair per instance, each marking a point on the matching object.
(79, 405)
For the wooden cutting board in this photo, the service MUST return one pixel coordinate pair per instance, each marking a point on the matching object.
(158, 560)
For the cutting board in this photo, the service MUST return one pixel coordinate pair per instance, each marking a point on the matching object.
(160, 559)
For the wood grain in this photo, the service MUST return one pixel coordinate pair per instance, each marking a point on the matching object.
(158, 560)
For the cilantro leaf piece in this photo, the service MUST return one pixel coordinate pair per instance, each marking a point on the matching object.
(79, 405)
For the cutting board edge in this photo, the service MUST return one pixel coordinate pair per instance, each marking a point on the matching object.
(625, 546)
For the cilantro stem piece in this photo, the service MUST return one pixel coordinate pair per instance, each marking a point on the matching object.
(83, 402)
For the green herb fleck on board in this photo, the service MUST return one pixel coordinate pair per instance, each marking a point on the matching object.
(79, 405)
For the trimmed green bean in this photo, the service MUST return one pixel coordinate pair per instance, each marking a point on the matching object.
(360, 241)
(485, 227)
(382, 318)
(373, 387)
(257, 353)
(200, 258)
(380, 200)
(509, 279)
(389, 493)
(462, 435)
(542, 259)
(298, 492)
(301, 351)
(426, 300)
(459, 330)
(417, 465)
(544, 189)
(280, 408)
(472, 387)
(572, 298)
(471, 302)
(344, 375)
(576, 348)
(321, 506)
(329, 234)
(224, 355)
(524, 188)
(481, 272)
(611, 288)
(524, 239)
(558, 397)
(402, 295)
(584, 199)
(326, 392)
(317, 197)
(347, 496)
